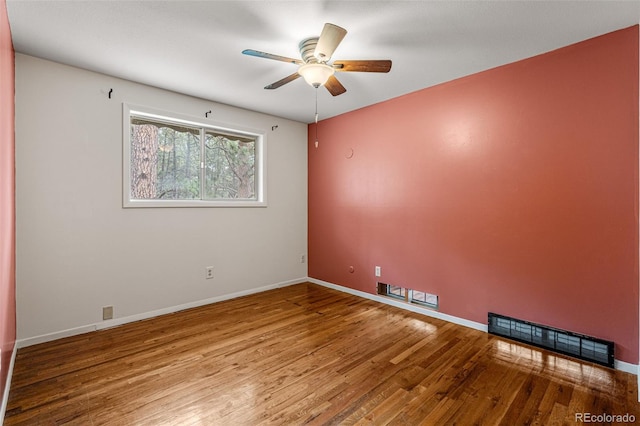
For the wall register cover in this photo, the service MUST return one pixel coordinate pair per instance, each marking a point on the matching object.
(565, 342)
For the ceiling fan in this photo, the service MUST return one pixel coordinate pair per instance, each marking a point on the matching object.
(315, 67)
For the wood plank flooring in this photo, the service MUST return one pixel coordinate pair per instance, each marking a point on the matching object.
(305, 354)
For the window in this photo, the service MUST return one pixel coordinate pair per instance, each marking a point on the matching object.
(394, 291)
(422, 298)
(173, 161)
(412, 296)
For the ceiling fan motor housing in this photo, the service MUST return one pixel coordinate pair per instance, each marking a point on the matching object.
(307, 49)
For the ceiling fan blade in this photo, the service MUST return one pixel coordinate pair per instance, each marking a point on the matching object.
(259, 54)
(282, 82)
(334, 86)
(329, 40)
(363, 66)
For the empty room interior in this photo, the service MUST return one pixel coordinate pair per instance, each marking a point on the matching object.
(319, 212)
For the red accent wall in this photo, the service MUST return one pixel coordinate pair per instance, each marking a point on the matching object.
(7, 198)
(514, 190)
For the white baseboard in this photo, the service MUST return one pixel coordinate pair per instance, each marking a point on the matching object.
(403, 305)
(619, 365)
(145, 315)
(7, 386)
(626, 367)
(43, 338)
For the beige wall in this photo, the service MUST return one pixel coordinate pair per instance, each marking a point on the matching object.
(78, 249)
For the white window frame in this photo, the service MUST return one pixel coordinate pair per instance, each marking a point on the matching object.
(260, 163)
(420, 302)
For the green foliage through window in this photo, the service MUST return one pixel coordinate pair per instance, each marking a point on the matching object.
(173, 161)
(229, 170)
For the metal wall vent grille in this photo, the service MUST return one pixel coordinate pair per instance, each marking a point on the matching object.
(561, 341)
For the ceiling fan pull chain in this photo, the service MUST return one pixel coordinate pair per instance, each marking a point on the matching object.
(316, 117)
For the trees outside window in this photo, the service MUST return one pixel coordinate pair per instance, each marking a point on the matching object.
(191, 163)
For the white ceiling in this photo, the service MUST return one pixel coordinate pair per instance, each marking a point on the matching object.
(194, 47)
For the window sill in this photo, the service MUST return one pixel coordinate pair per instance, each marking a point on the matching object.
(191, 203)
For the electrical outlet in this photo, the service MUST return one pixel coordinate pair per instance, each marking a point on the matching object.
(107, 312)
(303, 258)
(378, 271)
(209, 272)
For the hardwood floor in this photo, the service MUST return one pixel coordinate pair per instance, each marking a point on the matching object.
(305, 354)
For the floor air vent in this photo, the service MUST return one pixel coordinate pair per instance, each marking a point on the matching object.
(561, 341)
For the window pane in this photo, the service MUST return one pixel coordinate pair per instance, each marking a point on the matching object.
(395, 290)
(423, 298)
(165, 161)
(229, 167)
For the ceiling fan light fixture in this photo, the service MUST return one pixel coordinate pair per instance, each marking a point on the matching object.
(316, 74)
(316, 53)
